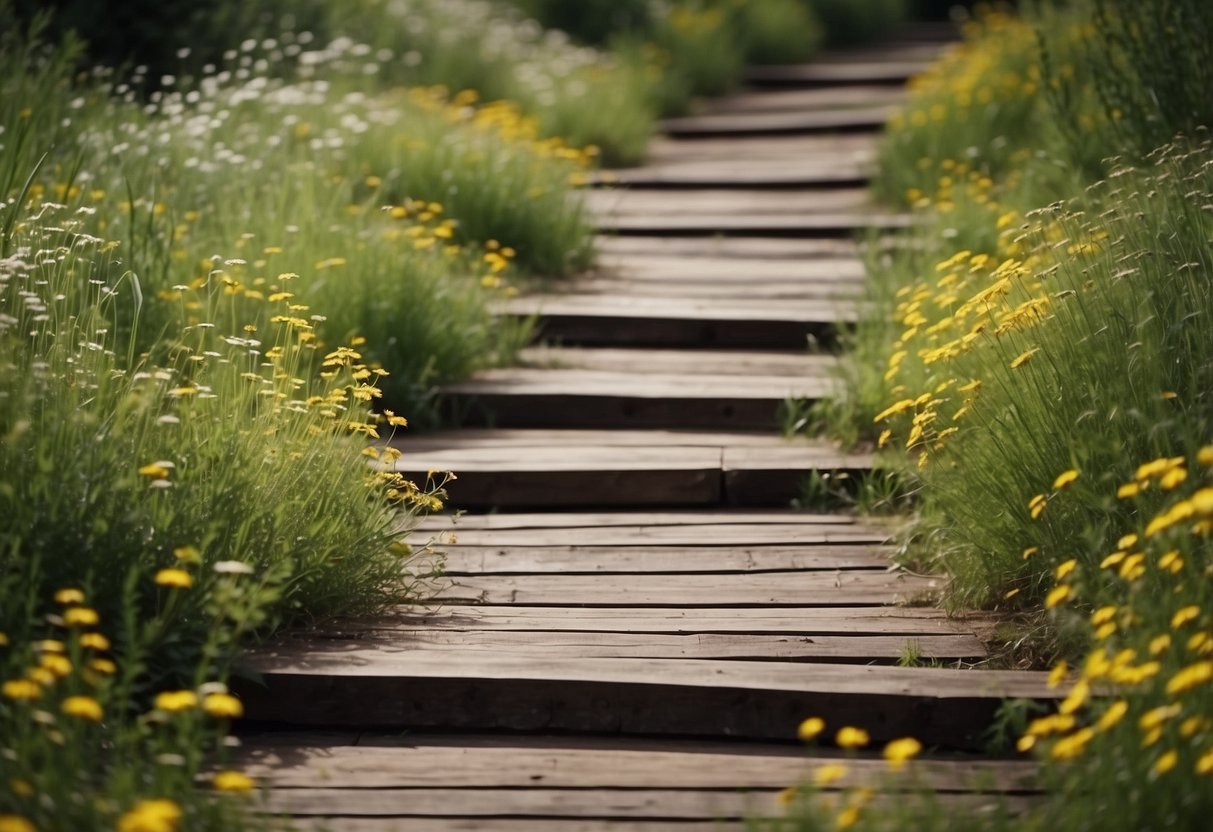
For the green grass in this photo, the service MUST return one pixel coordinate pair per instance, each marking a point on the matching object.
(1036, 362)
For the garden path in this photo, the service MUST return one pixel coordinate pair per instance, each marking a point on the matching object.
(632, 639)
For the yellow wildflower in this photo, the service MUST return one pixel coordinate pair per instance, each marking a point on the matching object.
(16, 823)
(21, 689)
(1023, 358)
(69, 596)
(175, 701)
(899, 751)
(82, 707)
(1058, 674)
(829, 774)
(1064, 479)
(160, 815)
(810, 728)
(80, 617)
(1112, 715)
(1166, 762)
(94, 641)
(1189, 677)
(849, 737)
(1057, 595)
(1184, 615)
(174, 578)
(222, 706)
(233, 781)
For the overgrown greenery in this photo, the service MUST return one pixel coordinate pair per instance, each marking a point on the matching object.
(1037, 364)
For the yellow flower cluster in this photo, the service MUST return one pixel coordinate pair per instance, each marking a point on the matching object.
(1152, 662)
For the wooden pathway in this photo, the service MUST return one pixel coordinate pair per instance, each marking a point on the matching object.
(630, 638)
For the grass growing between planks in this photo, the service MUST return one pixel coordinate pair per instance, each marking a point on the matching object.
(1038, 365)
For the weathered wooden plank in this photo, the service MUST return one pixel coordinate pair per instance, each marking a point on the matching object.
(597, 320)
(767, 248)
(708, 201)
(841, 97)
(731, 272)
(777, 225)
(614, 519)
(494, 761)
(809, 621)
(854, 119)
(722, 174)
(828, 150)
(574, 438)
(894, 72)
(738, 290)
(637, 383)
(733, 534)
(482, 824)
(849, 588)
(850, 648)
(530, 803)
(604, 560)
(751, 363)
(688, 697)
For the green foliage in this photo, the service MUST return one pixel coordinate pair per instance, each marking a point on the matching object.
(850, 22)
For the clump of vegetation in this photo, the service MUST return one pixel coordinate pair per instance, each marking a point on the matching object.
(1036, 365)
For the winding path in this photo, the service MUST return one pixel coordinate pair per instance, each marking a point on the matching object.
(630, 641)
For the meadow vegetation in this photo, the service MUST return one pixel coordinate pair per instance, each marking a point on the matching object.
(1037, 365)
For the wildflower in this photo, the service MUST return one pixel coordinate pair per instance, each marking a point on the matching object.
(16, 823)
(1205, 455)
(187, 554)
(69, 596)
(1204, 765)
(233, 781)
(1036, 505)
(810, 728)
(159, 815)
(1031, 550)
(174, 578)
(1058, 674)
(1129, 489)
(21, 788)
(81, 617)
(1066, 567)
(829, 774)
(1184, 615)
(21, 689)
(898, 752)
(849, 737)
(1202, 501)
(847, 818)
(222, 706)
(156, 470)
(1067, 748)
(175, 701)
(1189, 677)
(1160, 643)
(58, 666)
(82, 707)
(232, 567)
(1076, 698)
(1114, 714)
(1166, 762)
(1023, 358)
(3, 639)
(1064, 479)
(103, 666)
(94, 641)
(1057, 595)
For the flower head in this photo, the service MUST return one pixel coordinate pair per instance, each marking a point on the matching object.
(174, 578)
(82, 707)
(233, 781)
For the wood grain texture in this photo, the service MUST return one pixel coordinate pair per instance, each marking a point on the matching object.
(494, 761)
